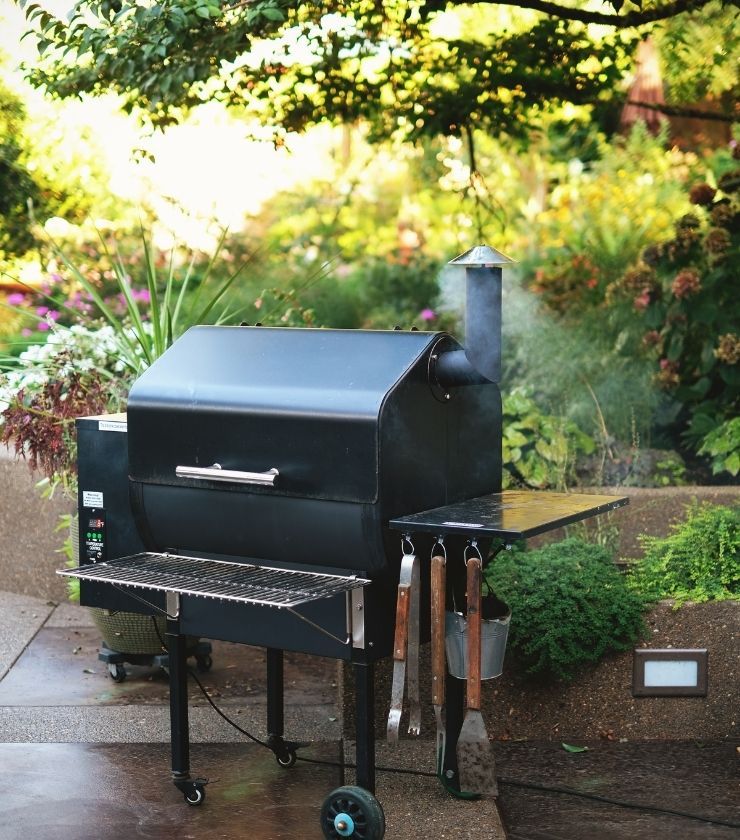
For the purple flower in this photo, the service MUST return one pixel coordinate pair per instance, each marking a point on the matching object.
(42, 310)
(53, 315)
(25, 332)
(16, 299)
(142, 295)
(42, 326)
(427, 314)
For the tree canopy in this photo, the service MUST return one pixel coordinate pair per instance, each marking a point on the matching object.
(410, 68)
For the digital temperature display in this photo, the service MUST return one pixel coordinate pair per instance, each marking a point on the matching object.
(95, 523)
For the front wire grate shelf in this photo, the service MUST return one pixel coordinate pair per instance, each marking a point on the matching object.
(219, 579)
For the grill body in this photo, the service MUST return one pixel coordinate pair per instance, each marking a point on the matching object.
(298, 450)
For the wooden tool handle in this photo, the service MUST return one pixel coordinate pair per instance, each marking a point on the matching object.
(402, 623)
(474, 599)
(438, 630)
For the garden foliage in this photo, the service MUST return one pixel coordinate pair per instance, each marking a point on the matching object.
(685, 293)
(416, 69)
(598, 216)
(18, 186)
(539, 449)
(698, 561)
(570, 606)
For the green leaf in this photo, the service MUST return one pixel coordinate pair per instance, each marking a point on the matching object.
(271, 13)
(732, 464)
(514, 438)
(573, 749)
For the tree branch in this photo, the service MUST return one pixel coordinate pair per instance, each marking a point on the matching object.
(691, 113)
(626, 21)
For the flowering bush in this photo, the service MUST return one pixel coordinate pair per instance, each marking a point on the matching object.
(77, 371)
(599, 215)
(685, 291)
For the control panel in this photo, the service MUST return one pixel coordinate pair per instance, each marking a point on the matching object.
(92, 535)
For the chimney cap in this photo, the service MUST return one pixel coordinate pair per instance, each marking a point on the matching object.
(481, 256)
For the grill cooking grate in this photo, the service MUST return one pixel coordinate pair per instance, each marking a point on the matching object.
(218, 579)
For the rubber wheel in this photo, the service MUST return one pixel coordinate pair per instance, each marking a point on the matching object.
(204, 663)
(366, 818)
(196, 796)
(287, 760)
(117, 672)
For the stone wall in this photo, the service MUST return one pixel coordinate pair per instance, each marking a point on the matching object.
(28, 541)
(599, 703)
(650, 511)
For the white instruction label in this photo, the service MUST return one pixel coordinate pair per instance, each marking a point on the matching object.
(111, 426)
(92, 498)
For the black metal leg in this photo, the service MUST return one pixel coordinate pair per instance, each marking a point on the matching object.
(275, 693)
(454, 711)
(285, 751)
(192, 789)
(365, 724)
(179, 729)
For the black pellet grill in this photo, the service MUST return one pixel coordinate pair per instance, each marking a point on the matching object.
(262, 484)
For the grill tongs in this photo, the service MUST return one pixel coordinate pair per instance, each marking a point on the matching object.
(406, 648)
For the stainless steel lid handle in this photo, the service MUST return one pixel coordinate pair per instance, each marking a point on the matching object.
(216, 473)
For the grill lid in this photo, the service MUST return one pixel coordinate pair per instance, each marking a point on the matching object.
(305, 402)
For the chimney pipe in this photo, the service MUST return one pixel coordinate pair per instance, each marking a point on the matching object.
(480, 362)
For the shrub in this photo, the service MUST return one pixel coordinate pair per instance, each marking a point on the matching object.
(698, 561)
(570, 606)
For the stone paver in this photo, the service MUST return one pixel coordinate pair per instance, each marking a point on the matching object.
(21, 617)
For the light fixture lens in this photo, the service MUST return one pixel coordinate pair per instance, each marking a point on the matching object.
(678, 672)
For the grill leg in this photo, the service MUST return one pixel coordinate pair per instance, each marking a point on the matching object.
(454, 705)
(285, 751)
(179, 730)
(365, 724)
(192, 789)
(275, 693)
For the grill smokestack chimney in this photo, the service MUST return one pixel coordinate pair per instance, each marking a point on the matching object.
(480, 362)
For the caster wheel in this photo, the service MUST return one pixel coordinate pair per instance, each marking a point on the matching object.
(196, 796)
(352, 812)
(117, 672)
(288, 759)
(204, 663)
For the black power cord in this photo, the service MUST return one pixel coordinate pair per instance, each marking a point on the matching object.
(620, 802)
(508, 782)
(341, 765)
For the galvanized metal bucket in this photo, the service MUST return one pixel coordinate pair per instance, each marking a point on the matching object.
(494, 633)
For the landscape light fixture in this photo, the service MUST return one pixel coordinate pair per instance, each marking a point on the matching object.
(669, 672)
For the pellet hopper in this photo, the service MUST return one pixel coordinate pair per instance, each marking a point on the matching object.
(268, 486)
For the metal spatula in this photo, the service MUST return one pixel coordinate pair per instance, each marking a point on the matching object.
(474, 751)
(438, 652)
